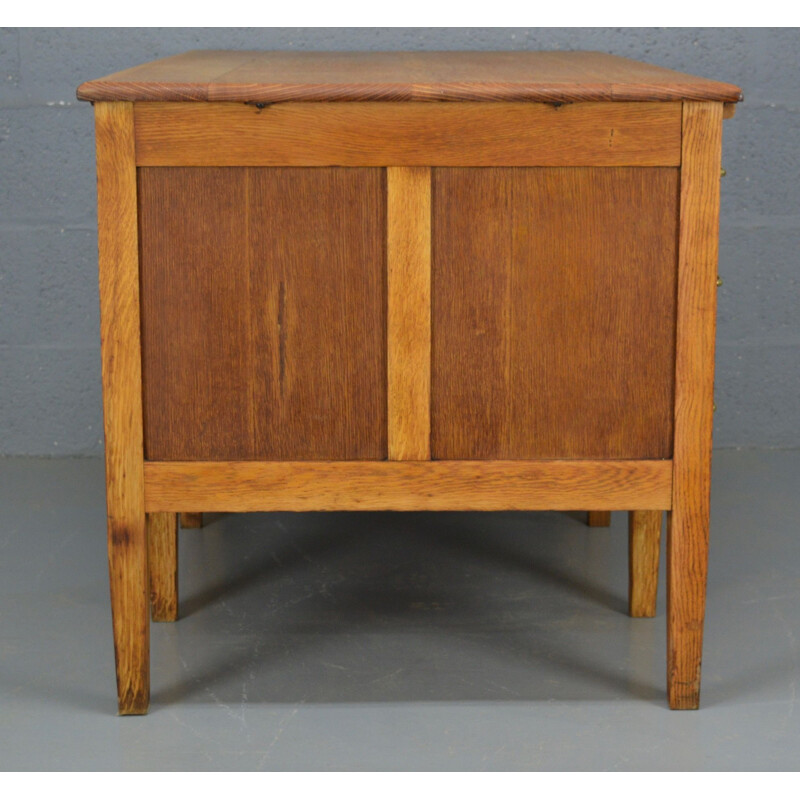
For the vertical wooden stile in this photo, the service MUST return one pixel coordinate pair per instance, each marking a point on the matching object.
(688, 521)
(122, 401)
(409, 312)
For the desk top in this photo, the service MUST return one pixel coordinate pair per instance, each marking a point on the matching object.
(269, 77)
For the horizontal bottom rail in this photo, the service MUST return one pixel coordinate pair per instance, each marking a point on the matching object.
(408, 485)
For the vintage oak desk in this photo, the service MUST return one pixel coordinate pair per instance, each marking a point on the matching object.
(407, 281)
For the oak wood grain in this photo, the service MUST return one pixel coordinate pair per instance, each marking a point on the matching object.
(270, 77)
(280, 350)
(408, 134)
(688, 522)
(407, 485)
(122, 402)
(521, 283)
(644, 542)
(553, 313)
(162, 548)
(192, 519)
(598, 519)
(409, 312)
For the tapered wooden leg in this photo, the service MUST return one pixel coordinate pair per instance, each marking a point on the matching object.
(191, 519)
(687, 567)
(127, 561)
(122, 401)
(688, 521)
(644, 543)
(598, 519)
(162, 544)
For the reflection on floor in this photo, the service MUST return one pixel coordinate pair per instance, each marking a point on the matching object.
(398, 641)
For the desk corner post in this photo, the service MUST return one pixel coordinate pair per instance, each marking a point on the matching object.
(688, 520)
(122, 401)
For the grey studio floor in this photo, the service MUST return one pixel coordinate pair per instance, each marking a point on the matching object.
(398, 641)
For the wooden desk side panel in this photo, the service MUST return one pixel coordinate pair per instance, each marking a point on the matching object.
(263, 297)
(553, 312)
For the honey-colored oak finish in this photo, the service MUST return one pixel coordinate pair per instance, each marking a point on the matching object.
(162, 548)
(408, 134)
(688, 521)
(644, 541)
(501, 301)
(277, 77)
(122, 402)
(598, 519)
(409, 314)
(407, 485)
(192, 519)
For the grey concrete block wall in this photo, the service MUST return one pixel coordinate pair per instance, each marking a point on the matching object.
(49, 323)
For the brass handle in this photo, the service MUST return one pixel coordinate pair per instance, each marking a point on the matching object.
(723, 172)
(719, 281)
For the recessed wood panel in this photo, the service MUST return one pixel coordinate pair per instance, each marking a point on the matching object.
(553, 312)
(263, 325)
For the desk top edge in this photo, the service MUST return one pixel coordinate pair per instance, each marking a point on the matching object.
(513, 75)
